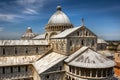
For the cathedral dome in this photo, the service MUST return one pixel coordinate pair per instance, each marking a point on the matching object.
(59, 21)
(59, 17)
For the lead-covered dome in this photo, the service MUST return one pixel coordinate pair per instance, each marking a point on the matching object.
(59, 21)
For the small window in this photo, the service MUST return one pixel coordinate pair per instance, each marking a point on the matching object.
(11, 69)
(26, 68)
(104, 73)
(3, 51)
(36, 49)
(70, 43)
(3, 71)
(118, 55)
(92, 42)
(82, 42)
(70, 68)
(94, 73)
(26, 50)
(18, 68)
(73, 69)
(60, 67)
(15, 50)
(77, 33)
(77, 70)
(69, 78)
(86, 33)
(56, 46)
(47, 76)
(73, 79)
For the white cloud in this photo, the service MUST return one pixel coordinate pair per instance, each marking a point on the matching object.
(111, 36)
(8, 17)
(1, 29)
(23, 2)
(10, 35)
(30, 3)
(30, 11)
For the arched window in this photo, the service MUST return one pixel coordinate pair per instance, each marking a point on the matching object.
(82, 42)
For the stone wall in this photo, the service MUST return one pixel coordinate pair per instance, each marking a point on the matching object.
(75, 43)
(59, 46)
(23, 50)
(16, 72)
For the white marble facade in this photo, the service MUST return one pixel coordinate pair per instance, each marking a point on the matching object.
(57, 54)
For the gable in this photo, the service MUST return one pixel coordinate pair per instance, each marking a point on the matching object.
(82, 32)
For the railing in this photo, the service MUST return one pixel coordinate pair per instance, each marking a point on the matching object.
(18, 75)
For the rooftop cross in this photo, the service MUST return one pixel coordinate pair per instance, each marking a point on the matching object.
(82, 21)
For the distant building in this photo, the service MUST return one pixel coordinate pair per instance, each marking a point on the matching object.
(28, 34)
(117, 60)
(63, 52)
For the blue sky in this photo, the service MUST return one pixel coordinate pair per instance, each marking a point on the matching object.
(101, 16)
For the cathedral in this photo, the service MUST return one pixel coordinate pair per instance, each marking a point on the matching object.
(62, 52)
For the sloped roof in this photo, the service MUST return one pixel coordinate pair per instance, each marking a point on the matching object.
(65, 32)
(23, 42)
(106, 53)
(88, 58)
(100, 40)
(41, 36)
(18, 60)
(48, 61)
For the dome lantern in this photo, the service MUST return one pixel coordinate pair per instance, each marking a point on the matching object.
(59, 8)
